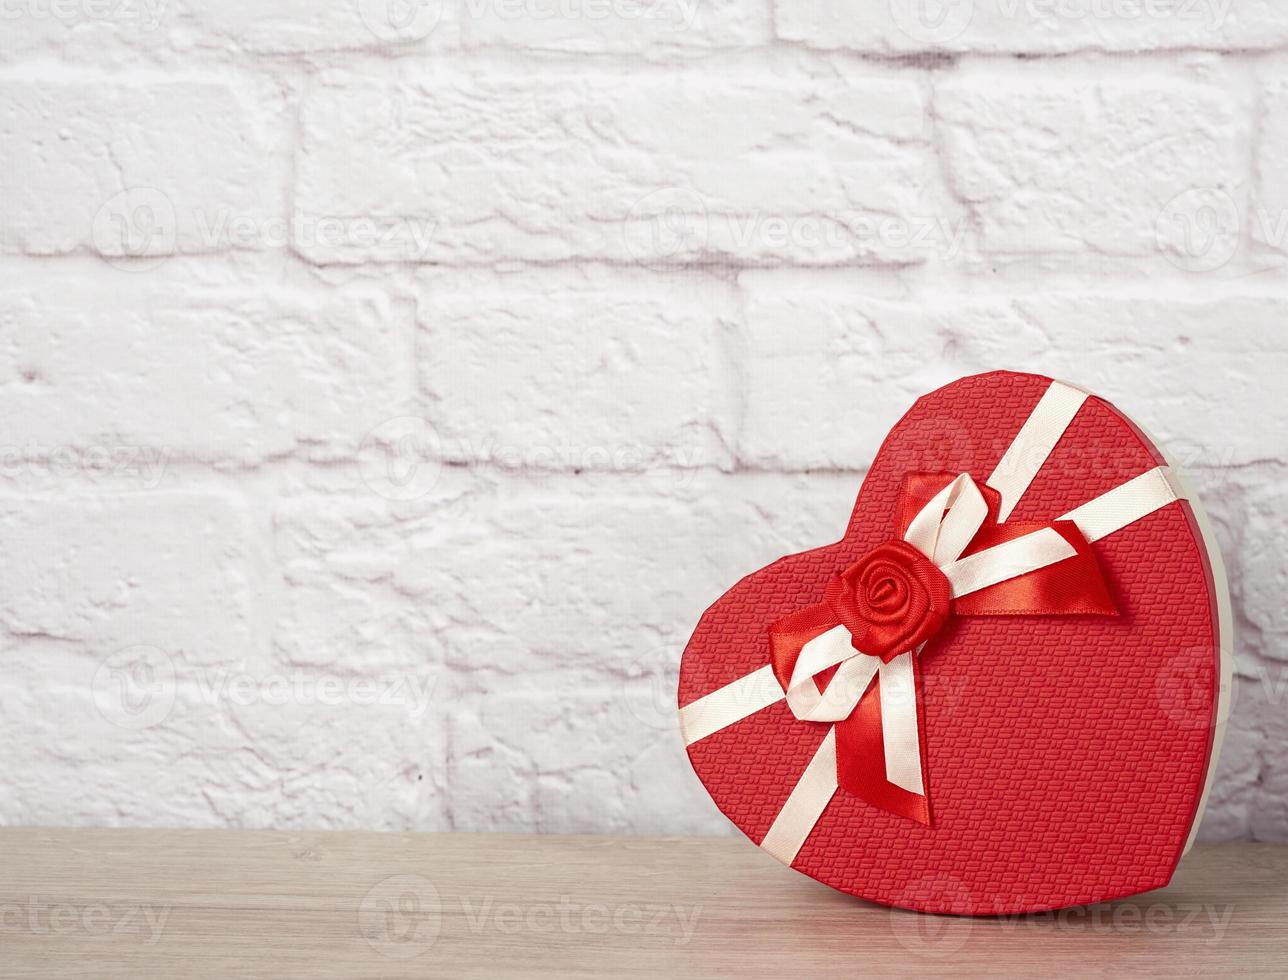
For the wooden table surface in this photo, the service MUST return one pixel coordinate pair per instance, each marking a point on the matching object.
(170, 903)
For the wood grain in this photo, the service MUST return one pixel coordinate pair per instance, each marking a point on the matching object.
(141, 903)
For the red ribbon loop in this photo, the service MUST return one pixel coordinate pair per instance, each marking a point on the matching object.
(894, 600)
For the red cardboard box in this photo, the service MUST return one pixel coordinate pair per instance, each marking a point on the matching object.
(1003, 690)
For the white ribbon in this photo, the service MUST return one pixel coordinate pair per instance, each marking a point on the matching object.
(899, 735)
(1034, 442)
(846, 688)
(941, 531)
(1095, 519)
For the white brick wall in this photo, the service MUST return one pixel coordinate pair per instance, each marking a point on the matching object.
(387, 387)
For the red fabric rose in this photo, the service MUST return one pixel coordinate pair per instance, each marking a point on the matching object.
(891, 600)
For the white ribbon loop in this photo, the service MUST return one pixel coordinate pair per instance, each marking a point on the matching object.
(843, 692)
(941, 531)
(943, 528)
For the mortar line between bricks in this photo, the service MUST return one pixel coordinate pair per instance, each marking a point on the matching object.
(215, 474)
(663, 62)
(959, 283)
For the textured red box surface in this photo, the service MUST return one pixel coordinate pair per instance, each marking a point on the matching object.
(1066, 756)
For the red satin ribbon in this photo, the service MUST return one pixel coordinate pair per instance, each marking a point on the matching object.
(1074, 586)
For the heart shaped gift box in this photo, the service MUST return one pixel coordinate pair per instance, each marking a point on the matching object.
(1003, 690)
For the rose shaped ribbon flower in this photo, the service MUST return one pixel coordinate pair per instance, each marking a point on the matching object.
(878, 615)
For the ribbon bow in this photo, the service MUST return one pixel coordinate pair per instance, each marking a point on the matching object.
(951, 558)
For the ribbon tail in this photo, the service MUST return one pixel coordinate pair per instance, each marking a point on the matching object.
(796, 820)
(1073, 585)
(880, 748)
